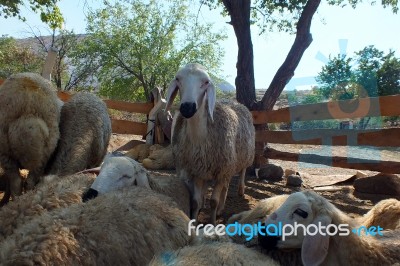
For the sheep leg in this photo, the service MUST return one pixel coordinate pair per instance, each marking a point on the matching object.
(241, 182)
(222, 199)
(15, 180)
(204, 193)
(7, 193)
(197, 198)
(214, 202)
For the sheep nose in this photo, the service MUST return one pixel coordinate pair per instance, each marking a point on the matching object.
(90, 194)
(188, 109)
(268, 242)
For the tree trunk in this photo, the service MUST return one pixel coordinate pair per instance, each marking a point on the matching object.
(286, 71)
(239, 11)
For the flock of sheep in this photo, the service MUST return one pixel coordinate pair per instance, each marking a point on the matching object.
(126, 215)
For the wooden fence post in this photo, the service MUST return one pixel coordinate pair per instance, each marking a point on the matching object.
(49, 63)
(151, 124)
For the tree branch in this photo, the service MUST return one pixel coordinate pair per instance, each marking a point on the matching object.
(286, 71)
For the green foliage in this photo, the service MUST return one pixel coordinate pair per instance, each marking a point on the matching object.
(48, 10)
(135, 47)
(370, 73)
(15, 59)
(283, 15)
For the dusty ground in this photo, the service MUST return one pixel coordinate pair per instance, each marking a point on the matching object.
(344, 199)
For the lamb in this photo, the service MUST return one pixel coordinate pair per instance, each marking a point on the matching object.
(385, 214)
(51, 194)
(124, 227)
(260, 211)
(159, 158)
(217, 253)
(85, 131)
(29, 118)
(139, 152)
(121, 171)
(309, 208)
(210, 141)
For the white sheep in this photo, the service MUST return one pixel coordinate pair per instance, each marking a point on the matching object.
(260, 211)
(323, 248)
(159, 158)
(118, 172)
(51, 194)
(210, 141)
(29, 118)
(124, 227)
(385, 213)
(85, 131)
(216, 253)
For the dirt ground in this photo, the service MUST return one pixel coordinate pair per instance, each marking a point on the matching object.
(345, 199)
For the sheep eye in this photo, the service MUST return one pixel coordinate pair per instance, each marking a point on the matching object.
(301, 213)
(207, 82)
(126, 176)
(176, 78)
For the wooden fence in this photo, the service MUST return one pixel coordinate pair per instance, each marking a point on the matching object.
(366, 107)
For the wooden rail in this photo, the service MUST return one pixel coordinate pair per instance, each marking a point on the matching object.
(389, 137)
(388, 167)
(365, 107)
(379, 106)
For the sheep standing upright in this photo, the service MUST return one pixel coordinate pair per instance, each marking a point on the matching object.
(85, 131)
(211, 141)
(29, 117)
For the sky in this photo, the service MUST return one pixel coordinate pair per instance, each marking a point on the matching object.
(334, 29)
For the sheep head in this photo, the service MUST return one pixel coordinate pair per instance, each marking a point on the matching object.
(195, 87)
(301, 208)
(117, 172)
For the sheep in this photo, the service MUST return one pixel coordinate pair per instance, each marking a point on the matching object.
(260, 211)
(140, 152)
(85, 131)
(159, 158)
(309, 208)
(29, 118)
(124, 227)
(385, 214)
(211, 140)
(121, 171)
(51, 194)
(217, 253)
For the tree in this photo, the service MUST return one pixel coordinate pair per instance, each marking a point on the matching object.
(369, 74)
(64, 75)
(15, 58)
(388, 75)
(271, 15)
(136, 46)
(336, 79)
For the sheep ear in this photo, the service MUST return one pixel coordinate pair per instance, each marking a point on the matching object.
(211, 99)
(171, 93)
(315, 248)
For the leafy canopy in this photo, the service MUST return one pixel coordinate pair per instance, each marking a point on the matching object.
(138, 46)
(15, 58)
(48, 10)
(369, 74)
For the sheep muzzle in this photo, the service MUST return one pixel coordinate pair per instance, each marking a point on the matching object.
(188, 109)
